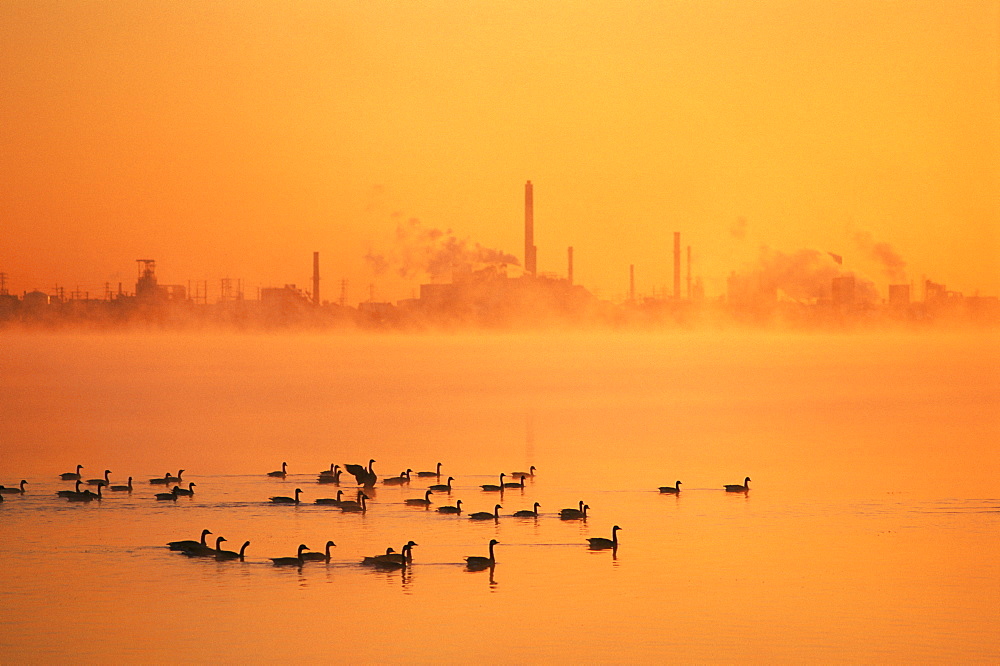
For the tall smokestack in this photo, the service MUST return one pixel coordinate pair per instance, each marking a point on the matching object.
(569, 257)
(529, 229)
(631, 282)
(315, 278)
(677, 264)
(689, 274)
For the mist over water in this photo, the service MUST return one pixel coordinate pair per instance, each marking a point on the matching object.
(867, 529)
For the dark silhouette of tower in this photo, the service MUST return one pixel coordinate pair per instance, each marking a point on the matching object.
(569, 258)
(529, 229)
(315, 278)
(677, 264)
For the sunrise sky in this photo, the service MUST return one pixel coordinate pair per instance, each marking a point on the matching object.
(233, 139)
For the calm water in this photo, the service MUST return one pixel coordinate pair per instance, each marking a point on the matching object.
(870, 533)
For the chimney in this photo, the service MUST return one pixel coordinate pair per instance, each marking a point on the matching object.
(529, 229)
(677, 264)
(315, 278)
(569, 272)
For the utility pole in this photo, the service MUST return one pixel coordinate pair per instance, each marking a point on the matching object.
(343, 292)
(3, 284)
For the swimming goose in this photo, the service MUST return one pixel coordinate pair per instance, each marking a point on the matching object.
(443, 487)
(355, 507)
(171, 496)
(486, 515)
(281, 499)
(188, 543)
(737, 488)
(13, 491)
(71, 476)
(330, 500)
(100, 482)
(575, 514)
(437, 473)
(127, 487)
(204, 551)
(404, 477)
(451, 509)
(426, 501)
(86, 496)
(480, 562)
(375, 559)
(286, 561)
(600, 543)
(492, 487)
(223, 555)
(365, 477)
(188, 492)
(517, 484)
(319, 557)
(175, 479)
(162, 481)
(330, 476)
(70, 493)
(671, 489)
(528, 514)
(530, 472)
(282, 473)
(392, 558)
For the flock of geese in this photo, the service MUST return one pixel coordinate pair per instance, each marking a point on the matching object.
(366, 480)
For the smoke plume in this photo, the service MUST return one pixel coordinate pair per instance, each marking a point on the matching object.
(803, 274)
(421, 250)
(892, 263)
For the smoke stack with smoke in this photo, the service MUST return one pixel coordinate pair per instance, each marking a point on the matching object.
(803, 274)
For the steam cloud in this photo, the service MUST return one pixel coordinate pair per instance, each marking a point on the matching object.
(802, 274)
(424, 250)
(891, 261)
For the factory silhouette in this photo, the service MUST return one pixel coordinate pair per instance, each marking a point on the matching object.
(806, 289)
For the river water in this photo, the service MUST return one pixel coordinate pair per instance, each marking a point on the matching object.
(869, 534)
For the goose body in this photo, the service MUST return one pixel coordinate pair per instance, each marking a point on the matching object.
(738, 488)
(451, 509)
(600, 543)
(486, 515)
(365, 477)
(171, 496)
(100, 482)
(13, 491)
(675, 490)
(516, 484)
(330, 476)
(127, 487)
(442, 487)
(330, 501)
(175, 479)
(426, 501)
(161, 481)
(528, 514)
(86, 496)
(70, 493)
(575, 514)
(375, 559)
(281, 499)
(291, 561)
(185, 492)
(188, 543)
(436, 474)
(492, 487)
(391, 558)
(281, 473)
(223, 555)
(355, 507)
(319, 557)
(404, 477)
(71, 476)
(530, 472)
(204, 551)
(480, 562)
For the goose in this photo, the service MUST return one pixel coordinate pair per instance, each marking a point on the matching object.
(530, 472)
(437, 473)
(162, 481)
(223, 555)
(13, 491)
(491, 487)
(443, 487)
(330, 476)
(738, 488)
(517, 484)
(451, 509)
(175, 479)
(70, 493)
(671, 489)
(404, 477)
(182, 491)
(100, 482)
(172, 496)
(188, 543)
(575, 514)
(204, 551)
(355, 507)
(375, 559)
(72, 476)
(127, 487)
(281, 499)
(392, 558)
(486, 515)
(600, 543)
(528, 514)
(330, 500)
(286, 561)
(480, 562)
(319, 557)
(426, 501)
(365, 477)
(86, 496)
(282, 473)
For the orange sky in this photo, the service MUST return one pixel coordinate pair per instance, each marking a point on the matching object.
(234, 138)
